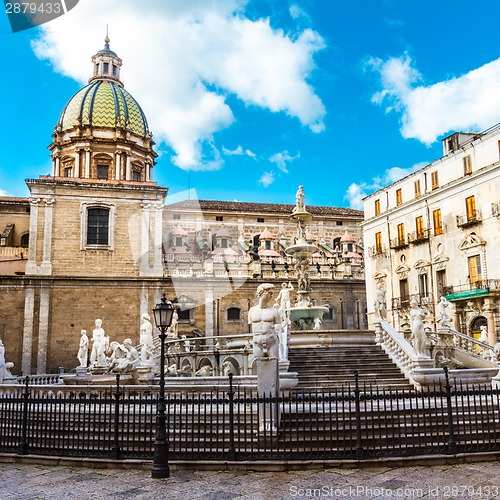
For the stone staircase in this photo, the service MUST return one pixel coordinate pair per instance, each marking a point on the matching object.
(332, 368)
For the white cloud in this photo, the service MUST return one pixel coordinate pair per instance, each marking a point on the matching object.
(281, 159)
(238, 152)
(356, 192)
(267, 179)
(182, 58)
(297, 12)
(464, 103)
(4, 193)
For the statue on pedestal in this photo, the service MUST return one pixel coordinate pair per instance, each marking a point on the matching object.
(283, 300)
(417, 315)
(265, 322)
(380, 303)
(83, 350)
(299, 200)
(174, 326)
(444, 317)
(100, 344)
(146, 339)
(484, 334)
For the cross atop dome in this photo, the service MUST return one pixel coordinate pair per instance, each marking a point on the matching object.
(106, 64)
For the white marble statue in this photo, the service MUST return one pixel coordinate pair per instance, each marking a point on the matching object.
(204, 371)
(146, 339)
(417, 315)
(265, 322)
(444, 317)
(283, 301)
(118, 361)
(299, 200)
(2, 362)
(174, 326)
(83, 349)
(380, 303)
(124, 357)
(133, 355)
(484, 334)
(99, 345)
(229, 368)
(317, 323)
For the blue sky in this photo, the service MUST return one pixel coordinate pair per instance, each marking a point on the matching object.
(249, 99)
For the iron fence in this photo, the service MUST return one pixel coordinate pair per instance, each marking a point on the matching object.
(356, 421)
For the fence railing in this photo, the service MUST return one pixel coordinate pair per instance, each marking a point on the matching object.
(238, 424)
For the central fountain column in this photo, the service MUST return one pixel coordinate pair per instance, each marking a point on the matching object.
(303, 313)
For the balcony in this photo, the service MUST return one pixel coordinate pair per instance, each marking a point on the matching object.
(398, 243)
(463, 291)
(469, 219)
(376, 252)
(418, 236)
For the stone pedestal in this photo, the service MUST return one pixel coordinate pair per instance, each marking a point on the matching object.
(268, 386)
(81, 371)
(98, 370)
(144, 375)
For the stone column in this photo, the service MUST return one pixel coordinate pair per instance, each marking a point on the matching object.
(46, 267)
(456, 319)
(118, 166)
(209, 314)
(29, 312)
(43, 331)
(148, 172)
(76, 173)
(144, 256)
(31, 264)
(489, 309)
(87, 164)
(158, 250)
(128, 173)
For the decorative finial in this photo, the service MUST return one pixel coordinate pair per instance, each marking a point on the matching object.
(106, 40)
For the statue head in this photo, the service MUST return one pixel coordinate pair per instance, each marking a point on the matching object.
(98, 323)
(264, 289)
(83, 332)
(127, 342)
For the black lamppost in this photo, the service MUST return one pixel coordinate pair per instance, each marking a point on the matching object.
(163, 313)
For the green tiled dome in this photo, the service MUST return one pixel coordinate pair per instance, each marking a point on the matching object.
(104, 103)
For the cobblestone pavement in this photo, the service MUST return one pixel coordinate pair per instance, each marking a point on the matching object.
(474, 480)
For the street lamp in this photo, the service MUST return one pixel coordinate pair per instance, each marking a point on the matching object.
(163, 313)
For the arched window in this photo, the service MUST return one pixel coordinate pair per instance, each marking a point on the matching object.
(233, 314)
(98, 226)
(25, 240)
(336, 243)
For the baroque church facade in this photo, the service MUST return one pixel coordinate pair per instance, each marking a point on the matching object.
(96, 240)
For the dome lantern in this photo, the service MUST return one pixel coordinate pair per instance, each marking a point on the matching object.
(106, 64)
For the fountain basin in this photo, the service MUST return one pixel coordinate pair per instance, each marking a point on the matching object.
(311, 312)
(301, 250)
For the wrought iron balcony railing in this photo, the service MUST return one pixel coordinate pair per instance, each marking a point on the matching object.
(399, 243)
(418, 236)
(469, 219)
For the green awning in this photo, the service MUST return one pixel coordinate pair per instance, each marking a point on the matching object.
(468, 294)
(244, 245)
(327, 248)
